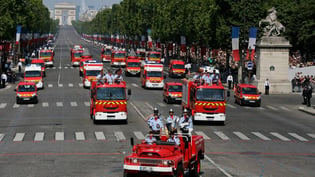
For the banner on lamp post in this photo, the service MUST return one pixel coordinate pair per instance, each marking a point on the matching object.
(18, 33)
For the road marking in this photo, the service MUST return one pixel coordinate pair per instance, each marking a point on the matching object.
(59, 136)
(45, 104)
(284, 108)
(311, 135)
(59, 67)
(66, 67)
(30, 105)
(241, 136)
(3, 105)
(161, 104)
(60, 85)
(99, 135)
(271, 107)
(120, 136)
(262, 108)
(176, 105)
(135, 85)
(298, 137)
(230, 106)
(245, 107)
(79, 136)
(18, 137)
(203, 134)
(86, 103)
(71, 67)
(70, 85)
(80, 84)
(218, 166)
(50, 85)
(137, 110)
(221, 135)
(73, 104)
(261, 136)
(39, 136)
(16, 105)
(279, 136)
(146, 103)
(139, 135)
(1, 136)
(53, 67)
(59, 104)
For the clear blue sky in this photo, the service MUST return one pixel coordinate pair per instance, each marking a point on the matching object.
(96, 3)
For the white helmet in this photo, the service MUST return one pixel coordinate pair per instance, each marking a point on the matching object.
(185, 110)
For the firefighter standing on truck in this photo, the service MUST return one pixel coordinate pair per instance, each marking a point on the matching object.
(172, 122)
(185, 122)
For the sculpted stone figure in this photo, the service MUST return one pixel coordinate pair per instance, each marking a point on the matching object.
(274, 27)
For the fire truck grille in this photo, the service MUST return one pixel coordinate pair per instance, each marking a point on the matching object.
(149, 162)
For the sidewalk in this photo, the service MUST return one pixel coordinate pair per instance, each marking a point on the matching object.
(308, 110)
(8, 85)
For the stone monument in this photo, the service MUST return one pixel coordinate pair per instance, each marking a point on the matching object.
(273, 56)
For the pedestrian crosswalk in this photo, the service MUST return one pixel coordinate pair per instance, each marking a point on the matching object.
(118, 136)
(61, 67)
(60, 85)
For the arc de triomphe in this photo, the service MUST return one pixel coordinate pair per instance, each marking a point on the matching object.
(65, 12)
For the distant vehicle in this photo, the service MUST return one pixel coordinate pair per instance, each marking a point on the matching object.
(154, 56)
(176, 68)
(82, 61)
(33, 73)
(76, 54)
(133, 66)
(172, 92)
(118, 58)
(90, 71)
(40, 63)
(106, 54)
(151, 75)
(246, 94)
(26, 92)
(47, 56)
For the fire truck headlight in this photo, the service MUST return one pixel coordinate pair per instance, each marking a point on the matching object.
(169, 94)
(87, 82)
(33, 94)
(18, 95)
(135, 161)
(244, 97)
(165, 162)
(258, 98)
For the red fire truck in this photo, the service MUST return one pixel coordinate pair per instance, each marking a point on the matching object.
(40, 63)
(118, 58)
(132, 66)
(206, 102)
(154, 56)
(106, 54)
(47, 56)
(109, 100)
(76, 54)
(34, 73)
(141, 54)
(176, 68)
(91, 70)
(151, 75)
(172, 92)
(26, 92)
(165, 158)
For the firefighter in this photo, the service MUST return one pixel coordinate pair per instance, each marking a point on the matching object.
(152, 117)
(174, 139)
(109, 76)
(156, 125)
(150, 139)
(185, 122)
(172, 122)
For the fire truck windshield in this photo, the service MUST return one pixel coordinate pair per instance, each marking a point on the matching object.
(178, 66)
(133, 64)
(45, 54)
(33, 73)
(92, 72)
(77, 54)
(210, 94)
(112, 93)
(119, 55)
(39, 64)
(26, 88)
(247, 90)
(154, 74)
(108, 52)
(175, 88)
(155, 55)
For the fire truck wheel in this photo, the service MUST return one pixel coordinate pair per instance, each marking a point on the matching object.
(129, 174)
(241, 102)
(196, 171)
(180, 171)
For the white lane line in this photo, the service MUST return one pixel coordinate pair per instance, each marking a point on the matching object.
(59, 67)
(161, 104)
(262, 108)
(59, 136)
(99, 136)
(261, 136)
(146, 103)
(241, 136)
(135, 85)
(230, 106)
(80, 84)
(176, 105)
(59, 104)
(19, 137)
(50, 85)
(120, 136)
(221, 135)
(66, 67)
(30, 105)
(16, 105)
(1, 136)
(87, 103)
(137, 110)
(246, 107)
(39, 136)
(45, 104)
(3, 105)
(218, 166)
(74, 104)
(53, 67)
(284, 108)
(283, 138)
(271, 107)
(70, 85)
(79, 136)
(60, 85)
(311, 135)
(298, 137)
(139, 135)
(71, 67)
(203, 134)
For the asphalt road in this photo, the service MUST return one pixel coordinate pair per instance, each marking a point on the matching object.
(56, 137)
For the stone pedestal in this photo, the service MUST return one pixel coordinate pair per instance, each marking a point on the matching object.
(272, 63)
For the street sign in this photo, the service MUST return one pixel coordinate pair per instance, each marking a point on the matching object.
(250, 65)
